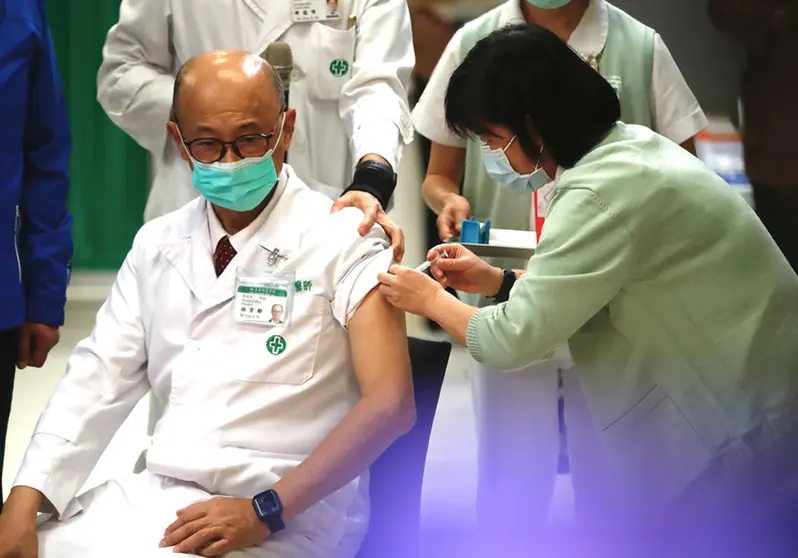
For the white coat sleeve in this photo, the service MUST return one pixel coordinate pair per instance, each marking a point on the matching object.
(135, 80)
(373, 103)
(359, 260)
(677, 114)
(429, 114)
(105, 378)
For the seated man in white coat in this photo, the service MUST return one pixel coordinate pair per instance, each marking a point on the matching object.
(264, 448)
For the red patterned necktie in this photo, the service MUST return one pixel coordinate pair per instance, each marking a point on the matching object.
(224, 255)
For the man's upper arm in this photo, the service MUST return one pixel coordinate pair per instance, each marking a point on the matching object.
(378, 340)
(429, 115)
(377, 335)
(135, 81)
(678, 116)
(46, 247)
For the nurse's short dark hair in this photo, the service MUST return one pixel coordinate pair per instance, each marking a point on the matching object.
(524, 78)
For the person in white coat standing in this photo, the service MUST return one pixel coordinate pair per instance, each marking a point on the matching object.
(351, 69)
(270, 429)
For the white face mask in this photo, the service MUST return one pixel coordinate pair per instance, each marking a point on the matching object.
(499, 168)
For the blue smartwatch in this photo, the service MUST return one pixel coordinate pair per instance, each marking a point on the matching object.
(269, 509)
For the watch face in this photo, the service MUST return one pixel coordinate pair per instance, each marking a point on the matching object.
(267, 503)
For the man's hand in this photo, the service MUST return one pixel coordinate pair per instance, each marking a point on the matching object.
(455, 210)
(409, 290)
(18, 537)
(463, 271)
(374, 213)
(35, 343)
(215, 527)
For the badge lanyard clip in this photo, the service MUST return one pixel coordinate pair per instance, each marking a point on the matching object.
(274, 255)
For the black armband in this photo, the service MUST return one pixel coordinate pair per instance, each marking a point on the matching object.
(378, 179)
(508, 280)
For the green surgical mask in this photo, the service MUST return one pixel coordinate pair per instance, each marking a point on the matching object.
(549, 4)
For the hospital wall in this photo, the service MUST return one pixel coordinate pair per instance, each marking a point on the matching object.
(110, 173)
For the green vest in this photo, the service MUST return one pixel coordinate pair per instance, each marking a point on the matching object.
(627, 59)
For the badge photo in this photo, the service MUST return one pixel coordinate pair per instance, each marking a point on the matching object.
(314, 10)
(264, 299)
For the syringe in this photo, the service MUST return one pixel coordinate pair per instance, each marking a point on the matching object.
(426, 265)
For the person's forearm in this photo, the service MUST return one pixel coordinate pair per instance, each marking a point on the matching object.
(359, 439)
(451, 314)
(437, 189)
(24, 503)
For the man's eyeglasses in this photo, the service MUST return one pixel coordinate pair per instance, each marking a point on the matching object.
(211, 150)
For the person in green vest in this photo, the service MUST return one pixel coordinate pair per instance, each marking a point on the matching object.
(516, 465)
(679, 309)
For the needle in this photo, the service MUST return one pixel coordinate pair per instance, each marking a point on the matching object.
(426, 265)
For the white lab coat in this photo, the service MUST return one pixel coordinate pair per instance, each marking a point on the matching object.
(238, 418)
(339, 119)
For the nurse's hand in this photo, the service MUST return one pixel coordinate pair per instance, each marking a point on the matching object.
(409, 290)
(455, 210)
(215, 527)
(464, 271)
(374, 213)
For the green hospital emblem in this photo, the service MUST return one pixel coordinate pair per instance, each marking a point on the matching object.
(339, 67)
(275, 345)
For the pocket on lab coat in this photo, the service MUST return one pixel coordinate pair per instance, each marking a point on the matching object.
(657, 451)
(331, 63)
(282, 355)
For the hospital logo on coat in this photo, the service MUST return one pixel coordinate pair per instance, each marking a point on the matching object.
(339, 67)
(275, 345)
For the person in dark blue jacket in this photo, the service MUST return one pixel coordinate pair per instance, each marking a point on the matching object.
(35, 225)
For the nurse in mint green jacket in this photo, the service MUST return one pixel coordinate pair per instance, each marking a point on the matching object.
(680, 312)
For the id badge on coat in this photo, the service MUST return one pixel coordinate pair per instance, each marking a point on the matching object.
(264, 298)
(314, 10)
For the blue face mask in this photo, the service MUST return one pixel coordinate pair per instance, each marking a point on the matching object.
(549, 4)
(499, 168)
(238, 186)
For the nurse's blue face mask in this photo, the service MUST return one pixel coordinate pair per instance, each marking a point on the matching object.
(499, 168)
(240, 185)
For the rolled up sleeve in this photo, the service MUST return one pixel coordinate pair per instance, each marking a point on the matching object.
(581, 264)
(358, 264)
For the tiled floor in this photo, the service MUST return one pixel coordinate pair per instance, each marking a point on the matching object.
(452, 450)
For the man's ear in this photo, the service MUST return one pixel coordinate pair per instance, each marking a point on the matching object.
(174, 135)
(288, 129)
